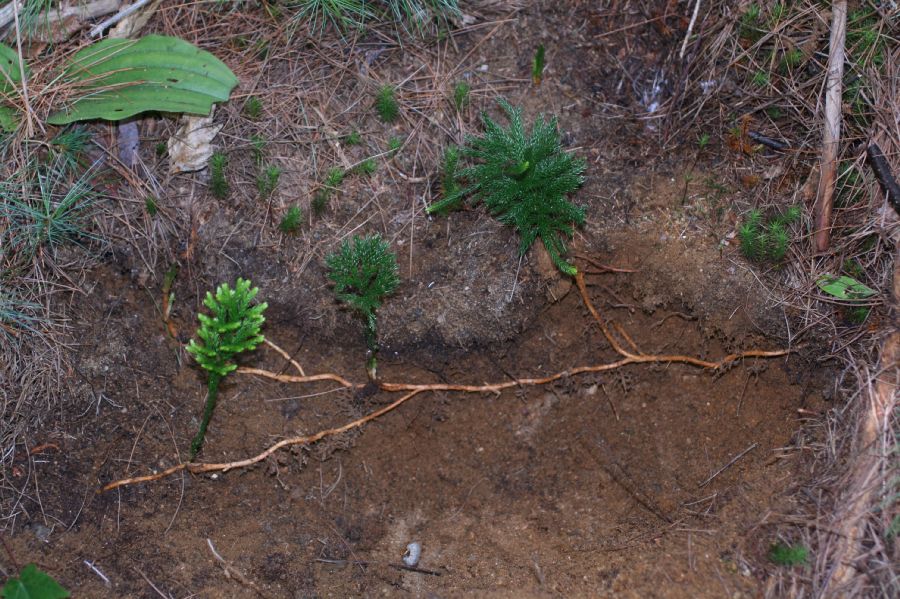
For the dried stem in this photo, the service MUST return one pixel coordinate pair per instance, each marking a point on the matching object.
(832, 136)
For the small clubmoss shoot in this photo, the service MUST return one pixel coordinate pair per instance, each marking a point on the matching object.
(386, 104)
(218, 183)
(258, 149)
(319, 202)
(150, 206)
(788, 555)
(162, 148)
(461, 95)
(267, 181)
(354, 139)
(364, 271)
(394, 144)
(253, 108)
(290, 222)
(335, 177)
(366, 167)
(537, 65)
(762, 240)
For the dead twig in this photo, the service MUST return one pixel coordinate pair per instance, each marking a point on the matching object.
(730, 463)
(882, 170)
(832, 136)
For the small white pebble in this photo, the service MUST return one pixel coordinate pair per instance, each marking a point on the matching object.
(412, 555)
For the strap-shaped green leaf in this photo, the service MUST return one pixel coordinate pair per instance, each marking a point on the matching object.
(120, 78)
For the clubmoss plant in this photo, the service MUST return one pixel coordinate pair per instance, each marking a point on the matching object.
(267, 181)
(366, 167)
(449, 172)
(763, 240)
(258, 149)
(364, 271)
(537, 65)
(218, 184)
(461, 95)
(788, 555)
(253, 107)
(354, 139)
(386, 104)
(233, 328)
(523, 179)
(394, 144)
(151, 206)
(290, 222)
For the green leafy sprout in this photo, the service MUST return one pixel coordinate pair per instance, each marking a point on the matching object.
(788, 555)
(33, 583)
(461, 93)
(394, 144)
(290, 222)
(537, 65)
(366, 167)
(333, 180)
(218, 184)
(762, 240)
(151, 206)
(258, 149)
(523, 179)
(267, 181)
(386, 104)
(253, 107)
(233, 328)
(364, 271)
(354, 139)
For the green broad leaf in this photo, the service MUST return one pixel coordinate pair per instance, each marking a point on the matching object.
(10, 77)
(33, 583)
(9, 65)
(9, 119)
(116, 79)
(844, 287)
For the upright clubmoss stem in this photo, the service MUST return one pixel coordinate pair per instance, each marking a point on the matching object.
(212, 390)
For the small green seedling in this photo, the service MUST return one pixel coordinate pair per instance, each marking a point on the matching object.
(394, 144)
(234, 328)
(267, 181)
(366, 167)
(364, 271)
(290, 222)
(537, 65)
(33, 583)
(788, 555)
(218, 184)
(449, 171)
(354, 139)
(461, 95)
(253, 107)
(151, 206)
(523, 179)
(258, 149)
(763, 240)
(386, 104)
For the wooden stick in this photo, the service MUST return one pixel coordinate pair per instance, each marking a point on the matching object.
(882, 170)
(832, 136)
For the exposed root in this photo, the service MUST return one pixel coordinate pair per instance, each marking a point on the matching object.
(413, 389)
